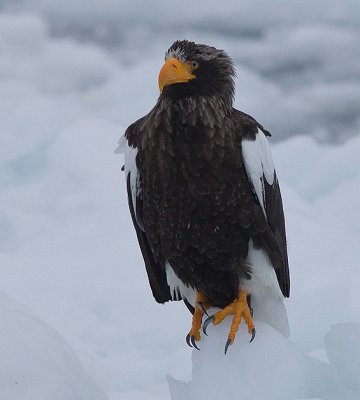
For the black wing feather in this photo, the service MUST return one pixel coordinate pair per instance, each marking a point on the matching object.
(156, 273)
(276, 220)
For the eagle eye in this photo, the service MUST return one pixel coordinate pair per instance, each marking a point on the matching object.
(194, 64)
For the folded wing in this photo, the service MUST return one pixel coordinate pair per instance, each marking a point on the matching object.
(262, 177)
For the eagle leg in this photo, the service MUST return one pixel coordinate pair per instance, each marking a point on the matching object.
(239, 308)
(201, 305)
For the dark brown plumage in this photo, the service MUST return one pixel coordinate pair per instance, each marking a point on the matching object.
(193, 203)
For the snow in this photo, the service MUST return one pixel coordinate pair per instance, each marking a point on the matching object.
(36, 361)
(265, 360)
(68, 250)
(272, 367)
(342, 344)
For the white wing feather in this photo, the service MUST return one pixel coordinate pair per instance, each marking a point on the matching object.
(130, 166)
(259, 164)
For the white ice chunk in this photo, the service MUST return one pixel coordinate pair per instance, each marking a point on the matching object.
(270, 367)
(342, 345)
(36, 362)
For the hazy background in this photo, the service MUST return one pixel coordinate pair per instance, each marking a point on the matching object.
(298, 61)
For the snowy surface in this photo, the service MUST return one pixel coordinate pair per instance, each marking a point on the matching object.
(68, 250)
(36, 362)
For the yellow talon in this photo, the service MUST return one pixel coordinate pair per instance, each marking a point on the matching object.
(239, 308)
(201, 305)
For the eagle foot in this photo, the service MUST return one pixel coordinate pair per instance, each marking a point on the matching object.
(201, 305)
(239, 308)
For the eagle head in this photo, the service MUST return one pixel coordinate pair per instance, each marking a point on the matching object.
(193, 70)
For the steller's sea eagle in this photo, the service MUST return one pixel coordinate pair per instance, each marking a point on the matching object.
(204, 196)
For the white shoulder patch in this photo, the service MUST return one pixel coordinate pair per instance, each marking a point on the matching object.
(130, 166)
(259, 164)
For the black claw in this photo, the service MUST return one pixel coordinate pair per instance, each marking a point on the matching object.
(193, 342)
(249, 304)
(253, 333)
(202, 308)
(227, 344)
(206, 323)
(188, 340)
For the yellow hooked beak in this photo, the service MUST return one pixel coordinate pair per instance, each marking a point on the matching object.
(174, 71)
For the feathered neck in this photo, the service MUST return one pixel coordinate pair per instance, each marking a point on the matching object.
(192, 111)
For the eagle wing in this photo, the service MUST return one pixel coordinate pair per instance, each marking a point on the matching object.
(155, 271)
(262, 177)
